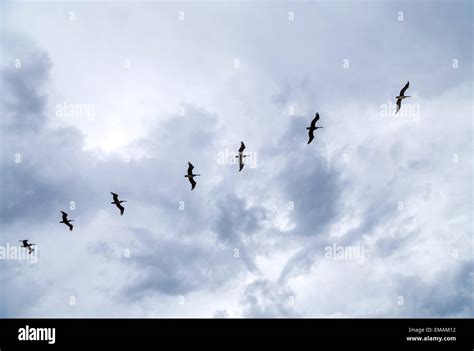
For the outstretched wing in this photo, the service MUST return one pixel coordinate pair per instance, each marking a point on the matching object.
(315, 119)
(121, 208)
(69, 225)
(64, 216)
(311, 135)
(193, 183)
(241, 164)
(115, 197)
(242, 146)
(399, 105)
(190, 168)
(402, 92)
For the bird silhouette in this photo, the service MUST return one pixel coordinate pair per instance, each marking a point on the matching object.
(191, 176)
(118, 202)
(67, 221)
(313, 127)
(241, 156)
(402, 96)
(27, 245)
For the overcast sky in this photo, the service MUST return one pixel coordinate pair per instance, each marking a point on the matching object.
(150, 86)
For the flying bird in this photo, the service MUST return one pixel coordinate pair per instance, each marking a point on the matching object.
(312, 128)
(118, 202)
(191, 176)
(241, 155)
(27, 245)
(67, 221)
(402, 96)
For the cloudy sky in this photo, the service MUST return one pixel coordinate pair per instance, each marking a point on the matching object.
(373, 219)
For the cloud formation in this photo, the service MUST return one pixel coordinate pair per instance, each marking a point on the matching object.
(254, 243)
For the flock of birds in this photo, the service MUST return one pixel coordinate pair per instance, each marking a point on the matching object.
(190, 175)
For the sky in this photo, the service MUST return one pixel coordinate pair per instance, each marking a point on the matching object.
(374, 218)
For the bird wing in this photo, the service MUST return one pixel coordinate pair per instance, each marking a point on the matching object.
(399, 105)
(121, 208)
(242, 146)
(115, 197)
(193, 183)
(311, 135)
(315, 119)
(402, 92)
(190, 168)
(241, 165)
(25, 242)
(64, 216)
(69, 225)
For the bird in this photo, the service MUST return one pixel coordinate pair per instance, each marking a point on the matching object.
(191, 176)
(401, 96)
(67, 221)
(313, 127)
(27, 245)
(241, 156)
(118, 202)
